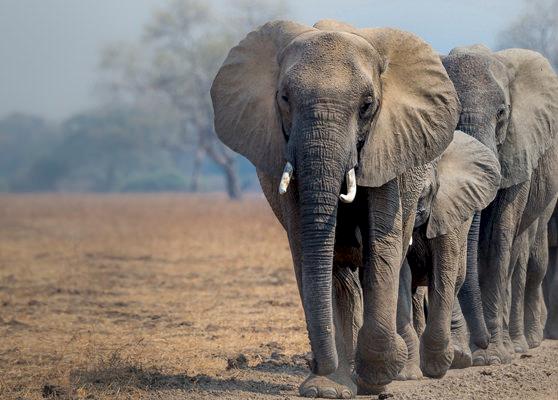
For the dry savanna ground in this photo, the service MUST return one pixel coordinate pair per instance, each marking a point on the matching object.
(174, 297)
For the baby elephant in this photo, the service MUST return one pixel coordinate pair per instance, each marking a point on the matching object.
(463, 180)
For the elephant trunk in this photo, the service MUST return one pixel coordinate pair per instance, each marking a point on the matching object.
(479, 125)
(320, 170)
(469, 295)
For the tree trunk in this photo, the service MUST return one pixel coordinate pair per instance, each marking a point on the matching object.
(233, 181)
(196, 169)
(227, 164)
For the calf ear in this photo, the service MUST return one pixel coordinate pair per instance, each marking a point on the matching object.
(468, 179)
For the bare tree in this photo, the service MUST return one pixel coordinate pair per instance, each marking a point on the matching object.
(182, 49)
(535, 29)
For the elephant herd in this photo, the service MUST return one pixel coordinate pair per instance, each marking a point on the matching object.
(418, 192)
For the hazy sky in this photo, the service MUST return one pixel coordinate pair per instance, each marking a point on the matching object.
(49, 49)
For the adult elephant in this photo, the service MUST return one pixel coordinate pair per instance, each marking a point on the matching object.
(462, 181)
(329, 108)
(550, 284)
(527, 314)
(509, 103)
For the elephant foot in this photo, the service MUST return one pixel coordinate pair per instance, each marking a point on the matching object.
(335, 386)
(508, 345)
(494, 354)
(534, 339)
(435, 360)
(462, 356)
(520, 344)
(378, 368)
(410, 372)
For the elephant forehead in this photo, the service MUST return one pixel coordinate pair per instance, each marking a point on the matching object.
(473, 70)
(329, 60)
(478, 79)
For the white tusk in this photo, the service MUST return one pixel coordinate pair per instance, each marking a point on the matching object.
(351, 188)
(411, 241)
(286, 178)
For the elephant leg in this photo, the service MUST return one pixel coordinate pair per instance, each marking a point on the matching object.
(516, 326)
(507, 310)
(536, 269)
(347, 314)
(460, 336)
(420, 306)
(544, 311)
(462, 357)
(499, 224)
(405, 328)
(551, 295)
(448, 256)
(381, 352)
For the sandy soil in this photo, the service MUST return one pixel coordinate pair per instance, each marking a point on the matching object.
(175, 297)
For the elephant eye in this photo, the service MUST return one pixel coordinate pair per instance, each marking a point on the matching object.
(502, 111)
(282, 99)
(366, 107)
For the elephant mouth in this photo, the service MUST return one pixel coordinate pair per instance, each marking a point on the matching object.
(350, 181)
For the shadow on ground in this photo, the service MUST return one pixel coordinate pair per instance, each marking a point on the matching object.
(120, 375)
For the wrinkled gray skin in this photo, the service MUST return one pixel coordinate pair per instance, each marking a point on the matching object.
(550, 283)
(509, 103)
(441, 263)
(463, 181)
(348, 291)
(527, 309)
(328, 99)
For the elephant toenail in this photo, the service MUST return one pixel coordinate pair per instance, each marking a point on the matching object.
(345, 394)
(478, 361)
(494, 361)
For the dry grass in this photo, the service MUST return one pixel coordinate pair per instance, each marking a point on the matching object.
(114, 295)
(171, 297)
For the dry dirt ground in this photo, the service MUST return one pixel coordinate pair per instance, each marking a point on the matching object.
(174, 297)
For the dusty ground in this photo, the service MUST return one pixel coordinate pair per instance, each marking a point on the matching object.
(174, 297)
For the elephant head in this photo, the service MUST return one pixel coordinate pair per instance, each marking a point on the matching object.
(463, 180)
(509, 102)
(323, 103)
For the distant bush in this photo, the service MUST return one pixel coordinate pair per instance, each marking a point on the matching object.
(164, 182)
(112, 149)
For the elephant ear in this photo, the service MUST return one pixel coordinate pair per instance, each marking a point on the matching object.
(533, 121)
(468, 180)
(243, 95)
(419, 107)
